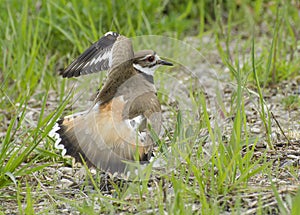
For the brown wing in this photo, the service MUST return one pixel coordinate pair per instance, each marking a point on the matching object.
(122, 70)
(102, 55)
(147, 105)
(141, 100)
(117, 76)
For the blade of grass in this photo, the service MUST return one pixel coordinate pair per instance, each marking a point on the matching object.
(265, 117)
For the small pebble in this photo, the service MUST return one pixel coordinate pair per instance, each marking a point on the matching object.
(255, 130)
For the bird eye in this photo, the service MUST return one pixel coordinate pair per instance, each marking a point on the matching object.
(151, 58)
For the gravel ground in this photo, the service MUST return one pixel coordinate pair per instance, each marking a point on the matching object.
(58, 182)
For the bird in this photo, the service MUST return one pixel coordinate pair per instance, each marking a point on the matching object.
(119, 128)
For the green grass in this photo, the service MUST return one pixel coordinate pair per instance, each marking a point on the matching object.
(291, 102)
(258, 41)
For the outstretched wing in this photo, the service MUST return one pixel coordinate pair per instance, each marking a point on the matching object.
(102, 138)
(107, 52)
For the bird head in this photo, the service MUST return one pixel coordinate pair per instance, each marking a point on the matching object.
(147, 61)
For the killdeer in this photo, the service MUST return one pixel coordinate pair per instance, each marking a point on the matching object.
(126, 110)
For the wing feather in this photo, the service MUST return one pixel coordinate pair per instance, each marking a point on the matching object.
(109, 51)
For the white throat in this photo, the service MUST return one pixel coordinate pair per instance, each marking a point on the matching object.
(146, 70)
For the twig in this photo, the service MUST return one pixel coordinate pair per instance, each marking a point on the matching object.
(279, 126)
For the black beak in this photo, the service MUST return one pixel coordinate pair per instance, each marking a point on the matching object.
(166, 63)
